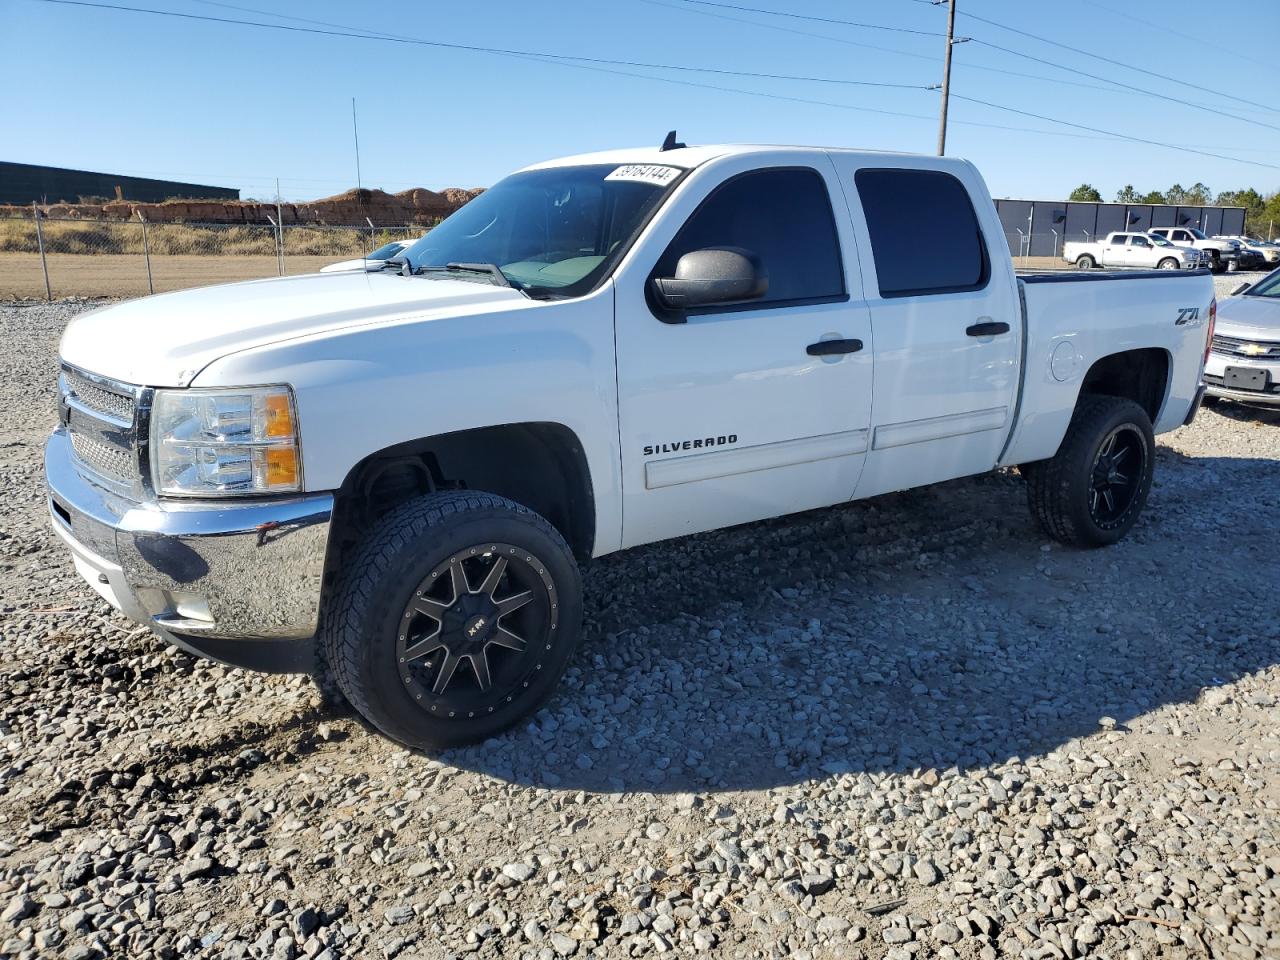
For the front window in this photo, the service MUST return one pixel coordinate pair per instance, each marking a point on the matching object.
(551, 232)
(1268, 286)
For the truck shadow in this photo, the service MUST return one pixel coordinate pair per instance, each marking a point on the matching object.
(928, 629)
(1248, 412)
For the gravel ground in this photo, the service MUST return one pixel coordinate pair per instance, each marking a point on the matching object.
(908, 727)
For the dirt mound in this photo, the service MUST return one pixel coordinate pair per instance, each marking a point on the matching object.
(417, 205)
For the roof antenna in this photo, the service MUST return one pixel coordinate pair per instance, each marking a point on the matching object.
(671, 143)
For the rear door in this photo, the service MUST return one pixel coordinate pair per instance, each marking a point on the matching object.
(946, 321)
(733, 413)
(1114, 251)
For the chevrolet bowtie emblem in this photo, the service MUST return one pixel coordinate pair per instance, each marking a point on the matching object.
(1253, 349)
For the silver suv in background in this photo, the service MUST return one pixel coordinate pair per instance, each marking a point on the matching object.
(1266, 251)
(1244, 357)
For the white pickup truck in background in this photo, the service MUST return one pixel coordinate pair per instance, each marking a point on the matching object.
(403, 470)
(1221, 254)
(1121, 249)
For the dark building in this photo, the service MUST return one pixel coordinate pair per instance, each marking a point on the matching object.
(1038, 228)
(23, 183)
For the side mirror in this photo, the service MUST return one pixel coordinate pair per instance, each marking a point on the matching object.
(712, 277)
(1241, 289)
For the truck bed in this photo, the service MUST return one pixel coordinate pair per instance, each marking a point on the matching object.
(1072, 319)
(1072, 275)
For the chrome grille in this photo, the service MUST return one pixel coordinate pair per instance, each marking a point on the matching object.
(104, 419)
(98, 398)
(1251, 349)
(115, 463)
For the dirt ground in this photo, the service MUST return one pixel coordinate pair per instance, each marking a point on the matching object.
(125, 275)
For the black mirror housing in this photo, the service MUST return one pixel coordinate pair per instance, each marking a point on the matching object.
(1240, 289)
(714, 276)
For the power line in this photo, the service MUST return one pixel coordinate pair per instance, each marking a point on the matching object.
(1112, 133)
(474, 48)
(844, 41)
(816, 19)
(1097, 56)
(1199, 41)
(557, 59)
(1193, 104)
(595, 64)
(1017, 53)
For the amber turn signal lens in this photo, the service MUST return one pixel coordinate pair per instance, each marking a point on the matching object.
(282, 467)
(279, 416)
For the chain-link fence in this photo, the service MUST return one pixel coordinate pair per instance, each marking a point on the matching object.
(46, 258)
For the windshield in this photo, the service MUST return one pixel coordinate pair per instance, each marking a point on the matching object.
(557, 230)
(387, 250)
(1160, 241)
(1198, 234)
(1268, 286)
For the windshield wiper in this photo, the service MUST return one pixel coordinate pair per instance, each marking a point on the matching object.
(492, 269)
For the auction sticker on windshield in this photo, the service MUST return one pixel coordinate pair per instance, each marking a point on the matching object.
(653, 173)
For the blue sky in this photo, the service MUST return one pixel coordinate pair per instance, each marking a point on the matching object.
(230, 105)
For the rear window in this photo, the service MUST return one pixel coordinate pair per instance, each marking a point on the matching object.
(924, 232)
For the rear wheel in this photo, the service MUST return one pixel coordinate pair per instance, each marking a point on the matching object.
(1093, 490)
(454, 619)
(1085, 262)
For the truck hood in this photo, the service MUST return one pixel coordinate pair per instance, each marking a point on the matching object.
(166, 340)
(1249, 318)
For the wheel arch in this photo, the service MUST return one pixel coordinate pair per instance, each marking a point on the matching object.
(539, 464)
(1140, 375)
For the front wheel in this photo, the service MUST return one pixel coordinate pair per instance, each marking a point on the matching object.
(1091, 492)
(454, 619)
(1168, 263)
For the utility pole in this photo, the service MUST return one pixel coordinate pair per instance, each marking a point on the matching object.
(946, 73)
(355, 133)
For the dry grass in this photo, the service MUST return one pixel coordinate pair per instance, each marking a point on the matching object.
(180, 239)
(125, 275)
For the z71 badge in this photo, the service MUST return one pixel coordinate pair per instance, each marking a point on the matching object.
(1188, 317)
(676, 446)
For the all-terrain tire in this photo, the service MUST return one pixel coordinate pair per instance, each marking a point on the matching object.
(364, 609)
(1085, 262)
(1059, 489)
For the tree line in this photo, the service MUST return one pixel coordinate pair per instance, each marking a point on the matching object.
(1262, 211)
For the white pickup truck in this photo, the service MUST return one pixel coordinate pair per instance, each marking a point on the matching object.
(1121, 249)
(404, 470)
(1222, 255)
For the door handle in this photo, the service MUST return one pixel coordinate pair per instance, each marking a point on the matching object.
(830, 348)
(988, 329)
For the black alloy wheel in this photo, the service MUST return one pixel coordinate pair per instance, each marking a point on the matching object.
(475, 629)
(1117, 475)
(1092, 491)
(453, 619)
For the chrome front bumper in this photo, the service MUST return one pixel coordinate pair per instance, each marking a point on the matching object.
(194, 569)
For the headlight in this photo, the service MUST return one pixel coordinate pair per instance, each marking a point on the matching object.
(212, 443)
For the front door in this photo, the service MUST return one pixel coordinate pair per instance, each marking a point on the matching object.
(1138, 252)
(946, 320)
(736, 413)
